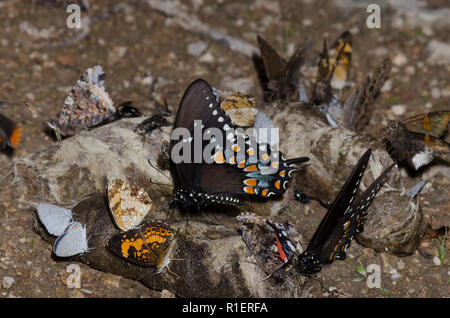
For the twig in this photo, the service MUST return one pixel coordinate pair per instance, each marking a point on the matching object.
(193, 24)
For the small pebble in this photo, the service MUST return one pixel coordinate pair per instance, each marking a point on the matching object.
(197, 48)
(436, 261)
(207, 58)
(399, 59)
(387, 86)
(7, 282)
(400, 265)
(22, 240)
(398, 110)
(435, 93)
(410, 70)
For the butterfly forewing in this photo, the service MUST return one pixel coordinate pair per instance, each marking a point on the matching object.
(352, 222)
(358, 106)
(341, 204)
(433, 124)
(274, 64)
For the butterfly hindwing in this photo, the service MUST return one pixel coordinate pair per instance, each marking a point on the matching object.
(272, 244)
(10, 133)
(144, 246)
(433, 124)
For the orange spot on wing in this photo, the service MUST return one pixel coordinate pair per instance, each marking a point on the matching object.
(251, 152)
(250, 182)
(264, 192)
(282, 173)
(251, 168)
(249, 190)
(15, 137)
(241, 164)
(277, 184)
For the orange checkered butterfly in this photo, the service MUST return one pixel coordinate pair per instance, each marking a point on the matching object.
(355, 111)
(148, 245)
(283, 76)
(232, 172)
(10, 133)
(343, 220)
(273, 244)
(420, 138)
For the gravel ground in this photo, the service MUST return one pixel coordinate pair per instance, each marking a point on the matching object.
(143, 50)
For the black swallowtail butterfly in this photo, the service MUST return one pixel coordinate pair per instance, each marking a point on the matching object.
(344, 219)
(231, 174)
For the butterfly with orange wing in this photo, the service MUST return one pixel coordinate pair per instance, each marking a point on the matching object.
(420, 138)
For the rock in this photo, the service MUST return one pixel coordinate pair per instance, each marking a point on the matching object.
(207, 58)
(438, 53)
(75, 293)
(398, 110)
(241, 84)
(197, 48)
(387, 86)
(167, 294)
(436, 261)
(399, 59)
(435, 93)
(395, 275)
(116, 54)
(7, 282)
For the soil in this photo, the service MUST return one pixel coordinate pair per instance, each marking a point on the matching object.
(137, 46)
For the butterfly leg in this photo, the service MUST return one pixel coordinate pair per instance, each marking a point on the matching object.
(173, 273)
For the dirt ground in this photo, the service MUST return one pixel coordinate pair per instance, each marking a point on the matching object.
(135, 44)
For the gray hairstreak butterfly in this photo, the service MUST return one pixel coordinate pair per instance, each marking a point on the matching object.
(72, 242)
(55, 219)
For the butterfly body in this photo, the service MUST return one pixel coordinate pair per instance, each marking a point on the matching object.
(234, 169)
(343, 220)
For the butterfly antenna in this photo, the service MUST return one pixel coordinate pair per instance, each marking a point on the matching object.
(35, 108)
(159, 170)
(162, 184)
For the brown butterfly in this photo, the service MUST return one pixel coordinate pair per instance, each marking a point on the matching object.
(283, 76)
(358, 106)
(420, 138)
